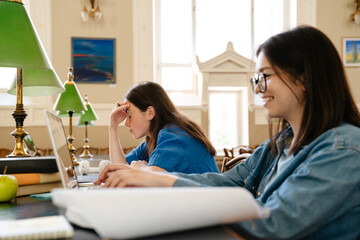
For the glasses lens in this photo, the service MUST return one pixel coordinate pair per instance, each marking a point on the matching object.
(253, 83)
(262, 82)
(259, 81)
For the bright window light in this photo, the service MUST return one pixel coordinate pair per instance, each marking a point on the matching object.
(7, 76)
(188, 28)
(268, 19)
(176, 31)
(174, 78)
(218, 22)
(223, 119)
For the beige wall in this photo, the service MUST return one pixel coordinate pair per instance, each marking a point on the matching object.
(116, 23)
(66, 23)
(332, 17)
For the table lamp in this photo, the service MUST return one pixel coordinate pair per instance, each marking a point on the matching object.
(70, 103)
(21, 48)
(86, 120)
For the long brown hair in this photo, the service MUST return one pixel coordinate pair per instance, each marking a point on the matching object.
(309, 57)
(147, 94)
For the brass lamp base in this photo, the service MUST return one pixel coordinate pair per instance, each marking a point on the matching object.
(19, 115)
(19, 151)
(86, 152)
(72, 149)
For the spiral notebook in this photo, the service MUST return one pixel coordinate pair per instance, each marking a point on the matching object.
(50, 227)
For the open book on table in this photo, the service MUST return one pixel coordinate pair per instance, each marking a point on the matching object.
(139, 212)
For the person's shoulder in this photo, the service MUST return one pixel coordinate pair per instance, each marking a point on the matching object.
(347, 135)
(143, 146)
(173, 133)
(343, 136)
(347, 127)
(172, 130)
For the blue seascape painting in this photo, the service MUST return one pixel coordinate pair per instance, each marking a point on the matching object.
(93, 60)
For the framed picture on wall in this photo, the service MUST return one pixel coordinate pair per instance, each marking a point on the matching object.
(93, 60)
(351, 51)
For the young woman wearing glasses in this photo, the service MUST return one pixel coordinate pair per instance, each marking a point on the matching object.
(308, 172)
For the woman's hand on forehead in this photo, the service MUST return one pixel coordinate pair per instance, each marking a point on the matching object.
(123, 105)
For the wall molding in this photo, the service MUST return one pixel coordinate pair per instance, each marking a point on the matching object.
(36, 114)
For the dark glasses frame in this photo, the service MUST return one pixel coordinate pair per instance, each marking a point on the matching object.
(260, 80)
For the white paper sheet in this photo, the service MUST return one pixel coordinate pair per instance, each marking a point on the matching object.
(139, 212)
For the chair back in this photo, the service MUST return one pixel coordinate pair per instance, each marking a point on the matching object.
(236, 155)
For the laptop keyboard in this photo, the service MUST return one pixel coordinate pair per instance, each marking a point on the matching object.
(87, 178)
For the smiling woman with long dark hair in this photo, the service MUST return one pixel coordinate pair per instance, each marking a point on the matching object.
(307, 173)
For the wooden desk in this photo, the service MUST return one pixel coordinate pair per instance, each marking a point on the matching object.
(25, 207)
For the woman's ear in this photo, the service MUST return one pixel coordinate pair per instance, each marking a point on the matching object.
(150, 113)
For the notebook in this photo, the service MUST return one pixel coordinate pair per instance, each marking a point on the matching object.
(49, 227)
(62, 154)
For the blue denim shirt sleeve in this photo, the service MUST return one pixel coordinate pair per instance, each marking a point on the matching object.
(320, 190)
(243, 175)
(317, 196)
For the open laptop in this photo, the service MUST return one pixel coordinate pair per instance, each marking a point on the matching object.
(62, 155)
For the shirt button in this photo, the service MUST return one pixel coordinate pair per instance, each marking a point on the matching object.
(258, 193)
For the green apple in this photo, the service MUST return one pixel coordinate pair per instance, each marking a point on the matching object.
(8, 187)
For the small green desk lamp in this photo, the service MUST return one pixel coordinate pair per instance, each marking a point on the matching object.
(69, 104)
(87, 120)
(21, 48)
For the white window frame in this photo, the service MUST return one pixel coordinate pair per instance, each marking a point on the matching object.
(242, 115)
(143, 59)
(157, 56)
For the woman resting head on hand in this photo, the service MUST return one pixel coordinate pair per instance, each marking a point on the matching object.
(173, 142)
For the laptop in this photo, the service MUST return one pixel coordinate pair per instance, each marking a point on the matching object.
(63, 159)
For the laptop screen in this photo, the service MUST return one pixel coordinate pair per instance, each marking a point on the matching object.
(60, 147)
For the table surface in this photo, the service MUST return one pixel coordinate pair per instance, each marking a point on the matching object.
(26, 207)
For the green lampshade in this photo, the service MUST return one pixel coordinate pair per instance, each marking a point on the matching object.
(89, 115)
(38, 83)
(70, 100)
(82, 123)
(20, 46)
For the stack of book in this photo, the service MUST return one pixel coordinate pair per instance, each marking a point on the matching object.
(34, 174)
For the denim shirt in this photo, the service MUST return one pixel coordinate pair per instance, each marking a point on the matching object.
(317, 196)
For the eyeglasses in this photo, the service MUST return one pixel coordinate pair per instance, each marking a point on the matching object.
(260, 80)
